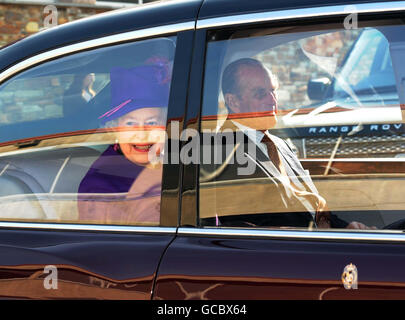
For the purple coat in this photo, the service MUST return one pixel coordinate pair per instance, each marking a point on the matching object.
(117, 191)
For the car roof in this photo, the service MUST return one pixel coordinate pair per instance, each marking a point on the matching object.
(218, 8)
(146, 16)
(100, 25)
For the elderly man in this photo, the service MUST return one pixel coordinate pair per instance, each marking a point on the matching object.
(249, 90)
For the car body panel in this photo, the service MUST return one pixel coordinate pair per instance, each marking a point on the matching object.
(253, 268)
(223, 8)
(90, 265)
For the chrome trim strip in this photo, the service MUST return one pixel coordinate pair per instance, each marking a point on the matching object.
(86, 227)
(362, 236)
(355, 159)
(65, 3)
(116, 38)
(301, 13)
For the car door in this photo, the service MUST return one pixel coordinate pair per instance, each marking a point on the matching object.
(50, 139)
(244, 233)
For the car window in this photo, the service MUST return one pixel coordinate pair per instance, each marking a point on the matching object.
(81, 136)
(302, 128)
(41, 97)
(368, 68)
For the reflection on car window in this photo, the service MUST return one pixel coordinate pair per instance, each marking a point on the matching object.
(300, 129)
(81, 137)
(368, 69)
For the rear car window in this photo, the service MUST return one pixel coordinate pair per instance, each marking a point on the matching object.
(78, 131)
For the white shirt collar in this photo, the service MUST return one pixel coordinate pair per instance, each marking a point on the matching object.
(252, 134)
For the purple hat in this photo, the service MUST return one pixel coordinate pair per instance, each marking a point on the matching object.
(137, 88)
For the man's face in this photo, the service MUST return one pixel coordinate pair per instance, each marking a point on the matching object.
(257, 96)
(257, 90)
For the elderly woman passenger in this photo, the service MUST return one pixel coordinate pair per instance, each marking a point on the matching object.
(123, 185)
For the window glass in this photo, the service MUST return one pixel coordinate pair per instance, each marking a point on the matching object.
(303, 128)
(82, 136)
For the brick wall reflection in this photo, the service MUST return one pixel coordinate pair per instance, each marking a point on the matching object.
(20, 20)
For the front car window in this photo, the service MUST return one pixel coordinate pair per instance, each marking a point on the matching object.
(303, 129)
(81, 137)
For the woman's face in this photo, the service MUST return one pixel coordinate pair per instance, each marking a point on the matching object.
(142, 135)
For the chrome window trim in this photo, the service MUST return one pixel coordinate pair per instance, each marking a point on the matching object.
(323, 11)
(356, 236)
(355, 159)
(95, 43)
(86, 227)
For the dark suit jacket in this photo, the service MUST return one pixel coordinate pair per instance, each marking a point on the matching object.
(295, 214)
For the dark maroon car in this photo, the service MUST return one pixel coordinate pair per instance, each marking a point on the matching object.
(208, 219)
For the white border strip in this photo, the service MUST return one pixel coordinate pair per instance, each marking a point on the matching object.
(363, 236)
(122, 37)
(301, 13)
